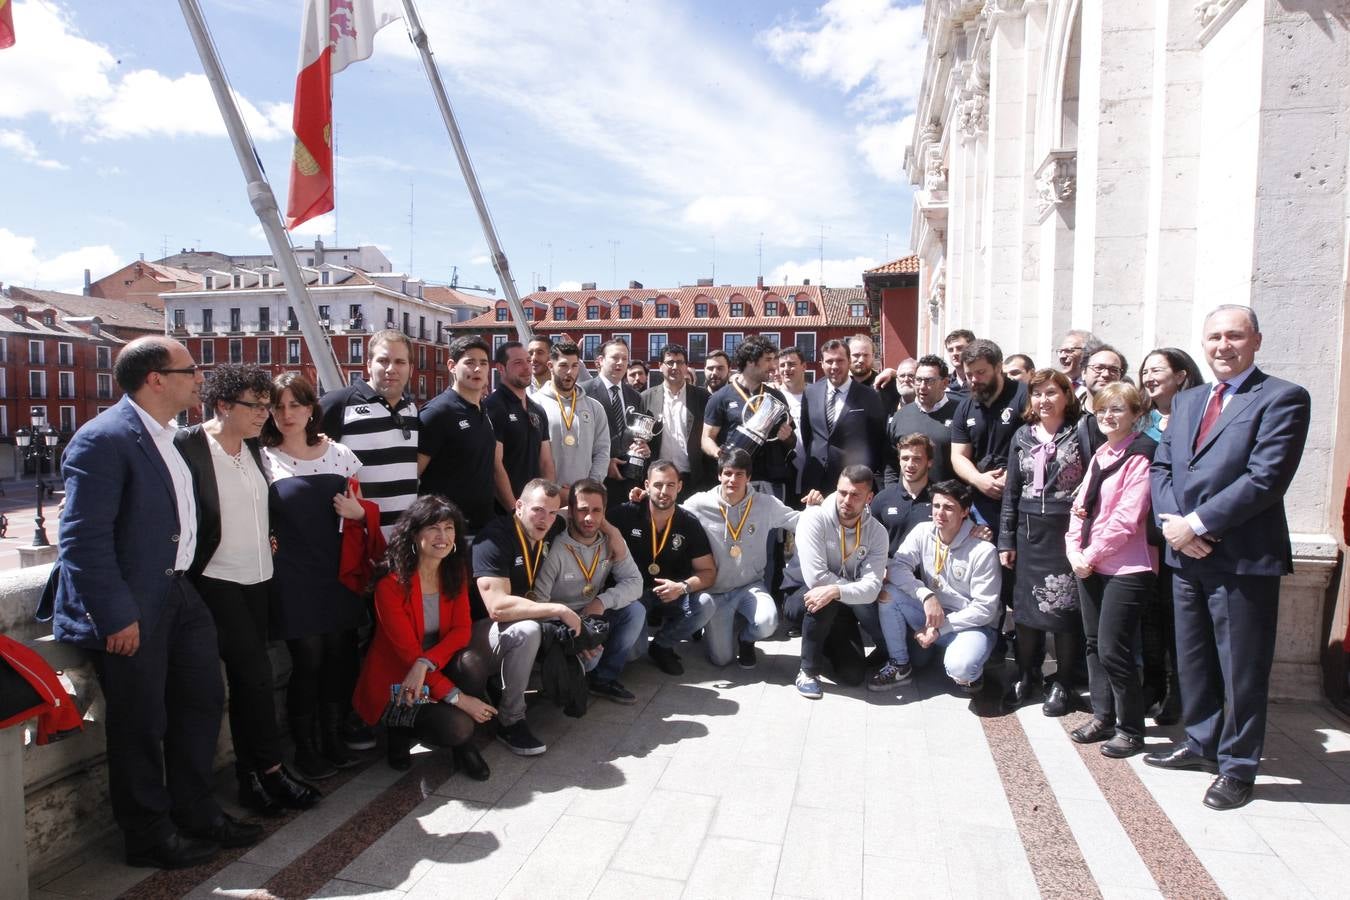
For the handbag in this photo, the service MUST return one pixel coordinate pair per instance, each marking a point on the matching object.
(403, 715)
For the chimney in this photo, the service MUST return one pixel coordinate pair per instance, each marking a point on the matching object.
(705, 282)
(759, 281)
(541, 288)
(806, 281)
(588, 285)
(635, 285)
(86, 282)
(318, 251)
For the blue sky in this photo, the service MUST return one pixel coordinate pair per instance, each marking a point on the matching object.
(644, 140)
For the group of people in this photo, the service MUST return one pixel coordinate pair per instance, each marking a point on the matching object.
(944, 508)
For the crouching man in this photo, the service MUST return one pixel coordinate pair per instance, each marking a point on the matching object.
(580, 573)
(945, 585)
(835, 577)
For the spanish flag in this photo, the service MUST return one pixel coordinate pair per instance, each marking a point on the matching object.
(6, 24)
(333, 34)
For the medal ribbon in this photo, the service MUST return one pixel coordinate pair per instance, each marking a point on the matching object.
(531, 567)
(939, 555)
(844, 550)
(595, 563)
(752, 403)
(740, 526)
(567, 415)
(656, 550)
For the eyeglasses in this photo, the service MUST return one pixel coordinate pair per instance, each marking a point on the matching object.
(401, 425)
(186, 370)
(933, 380)
(1064, 351)
(1115, 371)
(255, 405)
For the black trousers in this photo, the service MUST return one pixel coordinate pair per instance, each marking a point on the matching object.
(323, 670)
(163, 720)
(1112, 608)
(1225, 647)
(444, 725)
(833, 633)
(241, 614)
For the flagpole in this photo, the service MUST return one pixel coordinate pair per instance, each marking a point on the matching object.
(419, 38)
(264, 202)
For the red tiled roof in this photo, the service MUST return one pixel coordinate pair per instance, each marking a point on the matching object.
(905, 265)
(830, 307)
(439, 293)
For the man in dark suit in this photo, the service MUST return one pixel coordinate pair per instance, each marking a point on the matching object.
(611, 388)
(1219, 478)
(679, 406)
(128, 536)
(843, 423)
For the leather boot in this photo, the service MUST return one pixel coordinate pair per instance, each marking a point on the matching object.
(288, 790)
(469, 761)
(309, 761)
(398, 746)
(1021, 692)
(331, 716)
(1058, 702)
(253, 796)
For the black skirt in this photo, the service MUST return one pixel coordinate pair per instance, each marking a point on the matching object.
(1046, 593)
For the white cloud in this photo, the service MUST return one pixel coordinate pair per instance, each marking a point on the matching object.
(883, 147)
(838, 273)
(319, 226)
(74, 82)
(21, 264)
(567, 286)
(643, 90)
(481, 260)
(22, 146)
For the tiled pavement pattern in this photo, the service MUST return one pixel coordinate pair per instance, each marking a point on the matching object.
(730, 785)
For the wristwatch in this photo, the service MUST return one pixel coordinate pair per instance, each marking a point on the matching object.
(453, 697)
(685, 584)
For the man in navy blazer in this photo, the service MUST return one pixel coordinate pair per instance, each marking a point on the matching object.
(1219, 477)
(611, 374)
(856, 433)
(128, 535)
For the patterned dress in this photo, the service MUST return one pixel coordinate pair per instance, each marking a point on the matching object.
(1034, 519)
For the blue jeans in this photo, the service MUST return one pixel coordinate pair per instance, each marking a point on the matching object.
(897, 618)
(964, 652)
(755, 605)
(626, 626)
(682, 617)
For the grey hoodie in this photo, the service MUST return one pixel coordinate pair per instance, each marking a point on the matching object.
(819, 560)
(560, 580)
(767, 512)
(588, 456)
(968, 586)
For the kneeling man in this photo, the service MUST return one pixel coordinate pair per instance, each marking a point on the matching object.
(840, 562)
(945, 583)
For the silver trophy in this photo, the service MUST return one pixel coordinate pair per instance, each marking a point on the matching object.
(641, 427)
(760, 420)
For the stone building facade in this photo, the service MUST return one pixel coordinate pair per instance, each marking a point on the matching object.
(1125, 167)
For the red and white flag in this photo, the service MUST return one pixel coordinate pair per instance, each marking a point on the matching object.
(334, 34)
(6, 24)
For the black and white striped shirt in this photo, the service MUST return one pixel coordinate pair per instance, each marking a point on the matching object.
(384, 439)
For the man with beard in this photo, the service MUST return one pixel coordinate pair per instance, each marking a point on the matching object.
(930, 414)
(611, 389)
(671, 549)
(524, 450)
(840, 565)
(537, 353)
(577, 426)
(756, 360)
(955, 344)
(457, 449)
(577, 572)
(716, 370)
(862, 358)
(679, 406)
(637, 375)
(983, 427)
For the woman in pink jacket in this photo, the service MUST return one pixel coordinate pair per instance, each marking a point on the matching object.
(1116, 567)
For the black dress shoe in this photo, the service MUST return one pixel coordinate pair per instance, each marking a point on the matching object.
(1020, 692)
(1228, 792)
(398, 749)
(1182, 757)
(469, 761)
(1122, 746)
(666, 659)
(228, 832)
(1058, 702)
(177, 852)
(252, 795)
(290, 791)
(1095, 730)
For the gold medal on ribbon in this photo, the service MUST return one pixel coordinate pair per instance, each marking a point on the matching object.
(531, 565)
(654, 569)
(844, 549)
(735, 551)
(735, 530)
(570, 440)
(939, 555)
(588, 574)
(569, 414)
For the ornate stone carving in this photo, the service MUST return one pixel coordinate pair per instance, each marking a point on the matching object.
(937, 295)
(974, 114)
(1207, 11)
(995, 8)
(1056, 181)
(934, 169)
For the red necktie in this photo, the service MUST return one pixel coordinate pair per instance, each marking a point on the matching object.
(1212, 410)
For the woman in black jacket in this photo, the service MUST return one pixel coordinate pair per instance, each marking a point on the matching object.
(232, 569)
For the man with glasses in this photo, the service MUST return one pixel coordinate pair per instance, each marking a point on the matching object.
(457, 446)
(380, 425)
(1105, 365)
(128, 537)
(1070, 355)
(930, 414)
(679, 406)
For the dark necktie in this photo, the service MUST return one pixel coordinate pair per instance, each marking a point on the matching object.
(829, 408)
(1212, 410)
(616, 415)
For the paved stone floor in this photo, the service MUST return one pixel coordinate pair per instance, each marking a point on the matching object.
(730, 785)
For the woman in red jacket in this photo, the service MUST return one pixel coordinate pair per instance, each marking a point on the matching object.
(421, 638)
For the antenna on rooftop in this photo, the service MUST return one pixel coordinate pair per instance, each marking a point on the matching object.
(412, 220)
(886, 253)
(822, 254)
(549, 280)
(760, 273)
(614, 264)
(714, 260)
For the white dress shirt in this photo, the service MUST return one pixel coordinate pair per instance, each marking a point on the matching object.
(184, 497)
(244, 555)
(675, 428)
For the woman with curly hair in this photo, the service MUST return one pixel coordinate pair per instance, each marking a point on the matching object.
(422, 631)
(232, 571)
(1045, 467)
(312, 610)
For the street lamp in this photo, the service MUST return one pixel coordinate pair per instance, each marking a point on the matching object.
(37, 446)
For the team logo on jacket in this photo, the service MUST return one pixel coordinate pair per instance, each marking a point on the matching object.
(860, 553)
(511, 417)
(534, 421)
(751, 528)
(464, 425)
(970, 423)
(363, 410)
(892, 511)
(960, 570)
(1007, 415)
(676, 541)
(948, 423)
